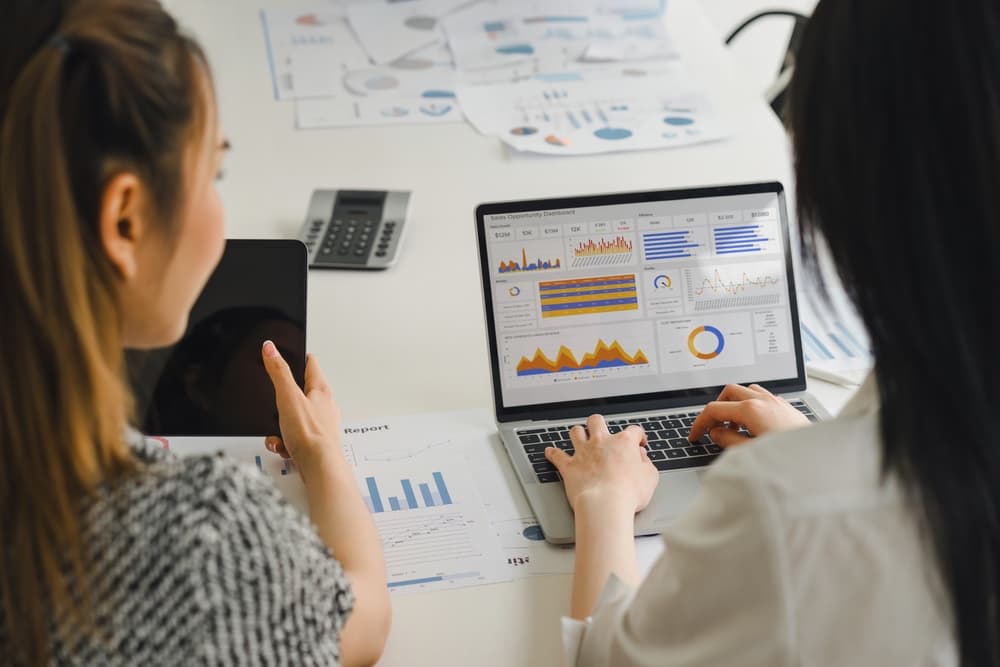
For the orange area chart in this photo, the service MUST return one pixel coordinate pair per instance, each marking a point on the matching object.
(603, 356)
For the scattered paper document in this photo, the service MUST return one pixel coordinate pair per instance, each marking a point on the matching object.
(434, 527)
(390, 30)
(551, 34)
(388, 95)
(435, 531)
(524, 549)
(310, 50)
(446, 501)
(834, 340)
(486, 531)
(339, 112)
(587, 116)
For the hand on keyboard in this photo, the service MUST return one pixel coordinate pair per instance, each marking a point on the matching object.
(606, 464)
(741, 411)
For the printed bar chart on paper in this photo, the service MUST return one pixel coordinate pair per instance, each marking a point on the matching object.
(286, 467)
(588, 296)
(834, 344)
(734, 286)
(407, 500)
(434, 528)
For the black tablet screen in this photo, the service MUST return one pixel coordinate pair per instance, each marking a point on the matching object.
(213, 382)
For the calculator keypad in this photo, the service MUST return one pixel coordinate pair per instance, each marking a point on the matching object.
(362, 234)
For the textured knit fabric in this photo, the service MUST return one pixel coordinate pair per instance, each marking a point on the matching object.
(197, 561)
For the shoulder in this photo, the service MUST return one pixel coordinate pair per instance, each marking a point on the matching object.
(213, 543)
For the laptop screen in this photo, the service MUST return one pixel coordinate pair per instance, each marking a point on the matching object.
(634, 295)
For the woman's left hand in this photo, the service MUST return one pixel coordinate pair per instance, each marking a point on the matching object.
(606, 465)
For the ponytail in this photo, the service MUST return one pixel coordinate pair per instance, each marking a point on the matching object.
(114, 88)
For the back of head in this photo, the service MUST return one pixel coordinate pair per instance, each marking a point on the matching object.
(895, 118)
(88, 88)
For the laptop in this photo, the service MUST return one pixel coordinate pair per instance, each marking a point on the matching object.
(212, 382)
(639, 306)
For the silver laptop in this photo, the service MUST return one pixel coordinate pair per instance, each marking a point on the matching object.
(638, 306)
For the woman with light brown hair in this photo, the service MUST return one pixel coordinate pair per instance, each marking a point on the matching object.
(112, 552)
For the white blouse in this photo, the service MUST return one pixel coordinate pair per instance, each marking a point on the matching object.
(795, 552)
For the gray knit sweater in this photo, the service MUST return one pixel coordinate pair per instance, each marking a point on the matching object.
(200, 562)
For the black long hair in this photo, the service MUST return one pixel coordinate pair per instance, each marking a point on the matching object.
(895, 119)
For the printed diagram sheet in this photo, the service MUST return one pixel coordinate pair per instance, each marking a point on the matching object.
(587, 116)
(390, 32)
(834, 340)
(558, 77)
(317, 59)
(310, 51)
(556, 36)
(442, 493)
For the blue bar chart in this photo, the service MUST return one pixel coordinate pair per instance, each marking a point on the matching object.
(668, 245)
(378, 502)
(742, 239)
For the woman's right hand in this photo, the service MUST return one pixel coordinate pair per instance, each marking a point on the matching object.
(606, 465)
(752, 407)
(309, 419)
(310, 433)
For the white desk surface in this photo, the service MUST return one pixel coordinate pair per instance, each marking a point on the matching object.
(412, 339)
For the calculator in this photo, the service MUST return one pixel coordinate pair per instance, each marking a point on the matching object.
(355, 229)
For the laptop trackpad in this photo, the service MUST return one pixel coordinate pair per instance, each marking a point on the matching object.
(673, 494)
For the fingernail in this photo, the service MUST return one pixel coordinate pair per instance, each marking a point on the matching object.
(269, 349)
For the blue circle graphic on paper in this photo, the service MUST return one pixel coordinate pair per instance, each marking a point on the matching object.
(613, 133)
(533, 533)
(678, 121)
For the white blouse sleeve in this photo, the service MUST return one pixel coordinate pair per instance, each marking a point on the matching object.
(716, 597)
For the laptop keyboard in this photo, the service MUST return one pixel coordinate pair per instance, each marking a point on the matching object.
(667, 436)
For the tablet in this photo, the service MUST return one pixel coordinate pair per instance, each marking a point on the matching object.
(213, 382)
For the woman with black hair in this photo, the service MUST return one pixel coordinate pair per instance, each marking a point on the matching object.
(872, 539)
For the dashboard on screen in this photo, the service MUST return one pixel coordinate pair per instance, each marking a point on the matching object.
(640, 298)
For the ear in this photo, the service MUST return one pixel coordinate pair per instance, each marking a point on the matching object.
(121, 224)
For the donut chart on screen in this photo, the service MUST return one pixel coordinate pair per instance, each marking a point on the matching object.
(720, 342)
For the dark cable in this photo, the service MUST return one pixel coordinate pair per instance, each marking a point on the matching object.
(799, 18)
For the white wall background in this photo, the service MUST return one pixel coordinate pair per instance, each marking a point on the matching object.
(760, 48)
